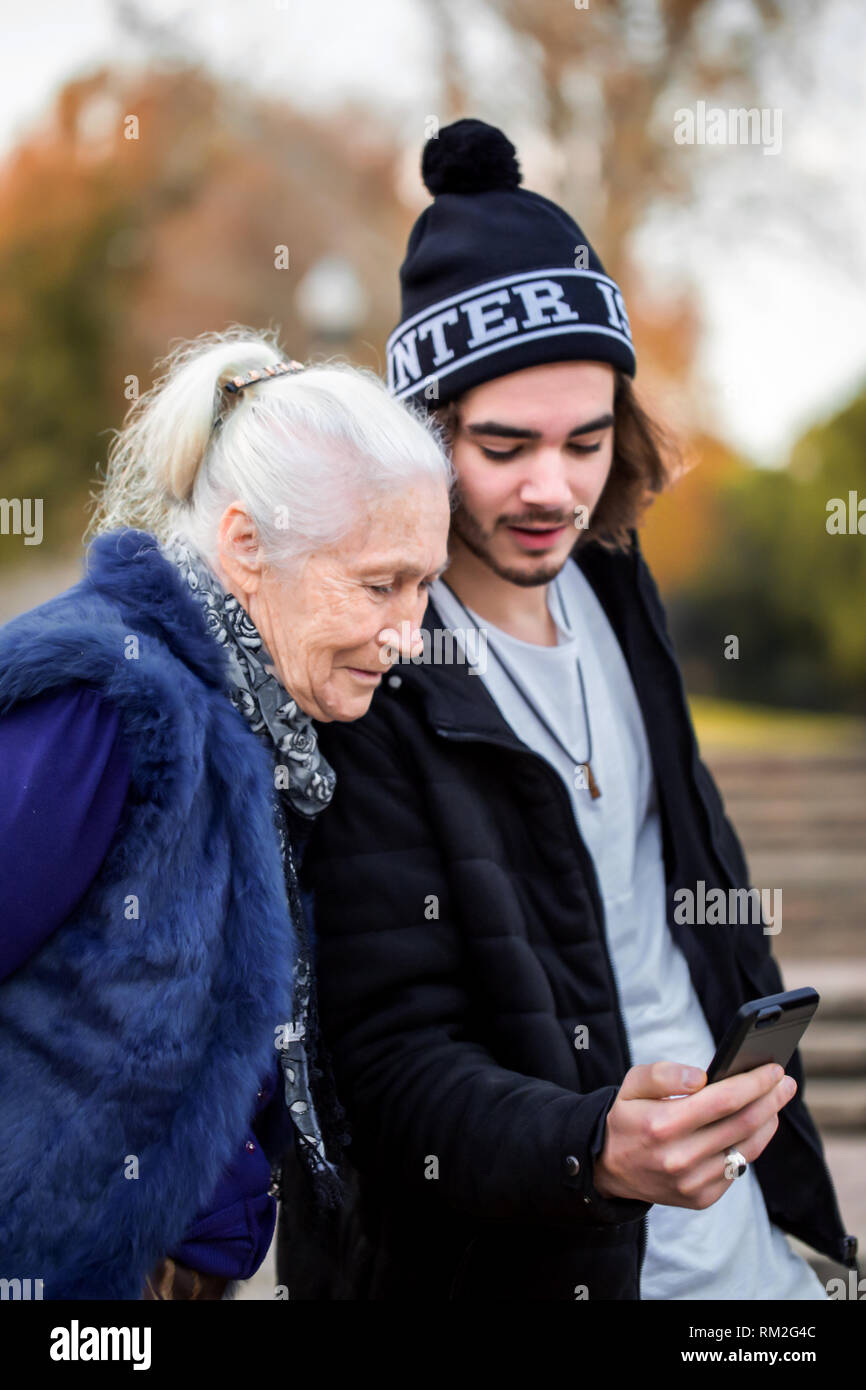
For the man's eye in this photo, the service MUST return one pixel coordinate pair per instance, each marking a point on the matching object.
(498, 454)
(512, 453)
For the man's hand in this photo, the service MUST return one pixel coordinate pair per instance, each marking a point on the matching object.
(673, 1151)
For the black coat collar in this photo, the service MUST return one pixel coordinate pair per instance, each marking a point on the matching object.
(457, 701)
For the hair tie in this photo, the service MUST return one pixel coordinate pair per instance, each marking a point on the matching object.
(238, 383)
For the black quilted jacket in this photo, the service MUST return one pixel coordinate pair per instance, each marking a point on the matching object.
(460, 940)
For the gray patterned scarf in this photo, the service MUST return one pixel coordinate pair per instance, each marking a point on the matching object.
(306, 785)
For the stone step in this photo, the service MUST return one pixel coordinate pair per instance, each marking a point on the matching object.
(837, 1105)
(844, 762)
(797, 821)
(807, 866)
(757, 784)
(840, 983)
(835, 1049)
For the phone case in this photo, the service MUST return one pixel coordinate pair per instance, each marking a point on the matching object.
(764, 1030)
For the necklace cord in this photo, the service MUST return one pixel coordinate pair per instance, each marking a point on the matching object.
(581, 762)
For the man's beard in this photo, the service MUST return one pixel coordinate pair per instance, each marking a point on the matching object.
(470, 531)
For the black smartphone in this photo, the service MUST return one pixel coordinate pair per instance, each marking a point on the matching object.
(764, 1030)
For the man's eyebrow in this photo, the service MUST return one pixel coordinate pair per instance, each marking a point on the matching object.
(496, 427)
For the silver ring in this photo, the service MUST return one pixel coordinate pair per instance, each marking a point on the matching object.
(735, 1164)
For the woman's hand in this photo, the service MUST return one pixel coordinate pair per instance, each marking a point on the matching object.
(169, 1280)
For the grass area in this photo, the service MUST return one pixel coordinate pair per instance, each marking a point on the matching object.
(723, 724)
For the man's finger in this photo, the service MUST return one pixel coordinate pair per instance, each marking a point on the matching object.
(723, 1098)
(709, 1170)
(732, 1130)
(656, 1080)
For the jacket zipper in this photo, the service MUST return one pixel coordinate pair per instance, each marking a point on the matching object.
(457, 735)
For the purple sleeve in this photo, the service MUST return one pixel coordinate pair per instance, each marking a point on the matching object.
(232, 1236)
(65, 777)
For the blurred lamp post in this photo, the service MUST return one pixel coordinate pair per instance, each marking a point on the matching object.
(331, 301)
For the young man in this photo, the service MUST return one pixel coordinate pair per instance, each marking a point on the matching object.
(509, 999)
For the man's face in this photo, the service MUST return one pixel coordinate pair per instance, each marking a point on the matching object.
(532, 451)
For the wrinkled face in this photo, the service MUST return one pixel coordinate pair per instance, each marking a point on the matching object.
(331, 622)
(533, 451)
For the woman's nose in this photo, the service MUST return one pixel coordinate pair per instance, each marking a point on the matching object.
(402, 641)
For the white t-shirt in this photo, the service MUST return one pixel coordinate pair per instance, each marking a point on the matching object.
(731, 1250)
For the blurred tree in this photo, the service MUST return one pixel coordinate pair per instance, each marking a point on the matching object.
(791, 591)
(603, 81)
(682, 527)
(58, 216)
(150, 206)
(734, 548)
(610, 77)
(153, 207)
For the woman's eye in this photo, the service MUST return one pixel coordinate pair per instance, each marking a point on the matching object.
(389, 588)
(586, 448)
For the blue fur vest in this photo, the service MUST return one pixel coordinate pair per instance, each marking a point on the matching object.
(133, 1042)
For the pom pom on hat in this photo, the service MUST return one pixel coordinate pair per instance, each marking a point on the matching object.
(469, 156)
(490, 283)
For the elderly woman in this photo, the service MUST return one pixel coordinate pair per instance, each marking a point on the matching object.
(157, 1012)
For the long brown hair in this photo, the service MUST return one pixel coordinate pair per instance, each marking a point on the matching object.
(646, 460)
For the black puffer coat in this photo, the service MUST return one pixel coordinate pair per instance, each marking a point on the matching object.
(460, 940)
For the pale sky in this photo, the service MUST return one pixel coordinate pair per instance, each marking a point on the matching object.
(806, 271)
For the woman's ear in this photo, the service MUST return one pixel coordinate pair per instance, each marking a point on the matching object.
(239, 549)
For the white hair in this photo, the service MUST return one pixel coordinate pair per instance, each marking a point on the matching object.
(303, 452)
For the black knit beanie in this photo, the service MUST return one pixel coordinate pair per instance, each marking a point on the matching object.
(496, 278)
